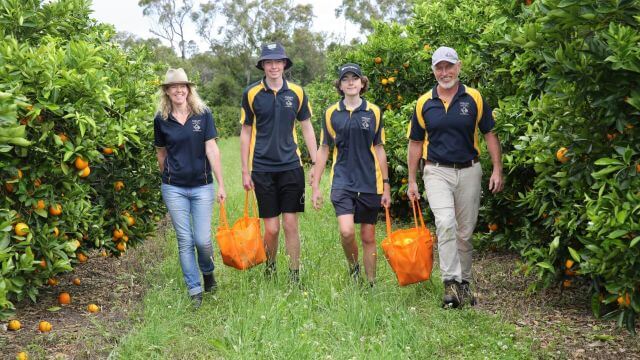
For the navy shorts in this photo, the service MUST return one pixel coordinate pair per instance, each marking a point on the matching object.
(363, 206)
(279, 192)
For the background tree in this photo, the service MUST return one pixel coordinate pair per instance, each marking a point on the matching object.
(171, 18)
(362, 12)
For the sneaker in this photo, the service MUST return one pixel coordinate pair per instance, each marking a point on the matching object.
(354, 272)
(451, 298)
(466, 295)
(210, 284)
(294, 276)
(270, 270)
(196, 300)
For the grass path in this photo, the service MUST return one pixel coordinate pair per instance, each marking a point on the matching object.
(252, 318)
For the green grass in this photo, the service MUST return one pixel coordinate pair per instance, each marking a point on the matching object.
(331, 318)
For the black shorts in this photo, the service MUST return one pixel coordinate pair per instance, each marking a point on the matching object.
(363, 206)
(279, 192)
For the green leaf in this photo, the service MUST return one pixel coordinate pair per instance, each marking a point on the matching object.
(634, 241)
(54, 308)
(618, 233)
(608, 161)
(574, 254)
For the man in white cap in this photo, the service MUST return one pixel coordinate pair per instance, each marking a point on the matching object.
(444, 132)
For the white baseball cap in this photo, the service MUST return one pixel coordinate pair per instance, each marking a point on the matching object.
(444, 53)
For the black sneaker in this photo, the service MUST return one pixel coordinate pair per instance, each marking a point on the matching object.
(294, 276)
(451, 298)
(270, 270)
(196, 300)
(354, 272)
(210, 284)
(466, 295)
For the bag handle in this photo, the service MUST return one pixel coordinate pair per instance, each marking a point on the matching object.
(223, 216)
(386, 212)
(253, 203)
(419, 214)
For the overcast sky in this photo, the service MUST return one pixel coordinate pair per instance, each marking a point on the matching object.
(126, 15)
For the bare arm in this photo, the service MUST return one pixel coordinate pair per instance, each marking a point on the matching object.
(321, 161)
(213, 155)
(413, 157)
(245, 140)
(310, 141)
(382, 159)
(161, 154)
(496, 181)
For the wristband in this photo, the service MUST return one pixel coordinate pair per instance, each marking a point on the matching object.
(385, 181)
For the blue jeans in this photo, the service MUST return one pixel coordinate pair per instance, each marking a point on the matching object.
(191, 209)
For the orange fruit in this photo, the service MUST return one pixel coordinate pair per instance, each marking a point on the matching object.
(64, 298)
(493, 227)
(384, 81)
(21, 229)
(19, 174)
(117, 233)
(14, 325)
(378, 60)
(568, 264)
(566, 284)
(37, 182)
(55, 210)
(40, 205)
(82, 257)
(405, 65)
(391, 80)
(122, 246)
(93, 308)
(125, 238)
(22, 356)
(80, 163)
(404, 180)
(118, 185)
(56, 231)
(560, 155)
(63, 137)
(107, 151)
(426, 47)
(624, 301)
(85, 172)
(400, 98)
(76, 281)
(611, 136)
(103, 253)
(52, 281)
(43, 263)
(9, 187)
(638, 168)
(131, 221)
(44, 326)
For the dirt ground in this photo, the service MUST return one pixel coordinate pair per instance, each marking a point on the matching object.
(560, 322)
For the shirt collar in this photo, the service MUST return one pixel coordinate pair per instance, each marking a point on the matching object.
(461, 90)
(362, 107)
(265, 86)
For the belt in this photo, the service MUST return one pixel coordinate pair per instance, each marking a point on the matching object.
(454, 165)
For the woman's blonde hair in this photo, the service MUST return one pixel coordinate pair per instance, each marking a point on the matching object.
(195, 103)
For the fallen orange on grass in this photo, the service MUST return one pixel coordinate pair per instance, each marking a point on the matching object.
(14, 325)
(81, 257)
(93, 308)
(64, 298)
(22, 356)
(44, 326)
(76, 281)
(566, 284)
(52, 281)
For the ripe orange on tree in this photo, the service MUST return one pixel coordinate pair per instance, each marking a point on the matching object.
(107, 151)
(63, 137)
(43, 263)
(384, 81)
(21, 229)
(56, 231)
(378, 60)
(55, 209)
(493, 227)
(125, 238)
(118, 185)
(80, 163)
(568, 264)
(44, 326)
(81, 257)
(85, 172)
(37, 182)
(64, 298)
(122, 246)
(560, 155)
(131, 221)
(40, 205)
(14, 325)
(638, 168)
(118, 233)
(391, 80)
(93, 308)
(624, 301)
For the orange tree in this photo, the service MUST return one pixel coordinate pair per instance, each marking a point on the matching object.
(74, 122)
(561, 76)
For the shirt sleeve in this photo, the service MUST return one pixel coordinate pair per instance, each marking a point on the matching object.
(415, 131)
(325, 136)
(210, 132)
(305, 110)
(379, 137)
(486, 121)
(158, 137)
(246, 114)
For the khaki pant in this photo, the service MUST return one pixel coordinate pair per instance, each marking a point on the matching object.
(454, 198)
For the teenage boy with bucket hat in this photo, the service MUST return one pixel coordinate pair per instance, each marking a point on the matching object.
(449, 117)
(271, 163)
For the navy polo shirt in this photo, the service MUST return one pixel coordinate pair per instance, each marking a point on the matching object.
(272, 115)
(450, 131)
(186, 163)
(354, 134)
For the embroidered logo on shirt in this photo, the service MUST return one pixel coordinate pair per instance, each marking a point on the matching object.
(365, 121)
(288, 101)
(464, 108)
(196, 125)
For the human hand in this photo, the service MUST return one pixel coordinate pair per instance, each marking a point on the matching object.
(386, 198)
(247, 183)
(496, 181)
(412, 191)
(316, 198)
(221, 194)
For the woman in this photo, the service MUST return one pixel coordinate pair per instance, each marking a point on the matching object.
(186, 148)
(359, 183)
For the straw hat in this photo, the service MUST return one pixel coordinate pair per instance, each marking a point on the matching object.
(176, 76)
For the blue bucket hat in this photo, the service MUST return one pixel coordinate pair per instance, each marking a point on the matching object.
(273, 51)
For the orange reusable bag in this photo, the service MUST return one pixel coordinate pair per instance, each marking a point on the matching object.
(241, 245)
(409, 252)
